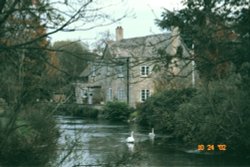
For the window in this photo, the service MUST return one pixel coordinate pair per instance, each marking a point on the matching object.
(144, 71)
(93, 71)
(174, 67)
(145, 93)
(120, 72)
(84, 93)
(120, 94)
(109, 94)
(108, 71)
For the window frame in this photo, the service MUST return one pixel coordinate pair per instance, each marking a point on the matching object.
(108, 71)
(121, 94)
(120, 71)
(144, 71)
(93, 71)
(144, 94)
(110, 94)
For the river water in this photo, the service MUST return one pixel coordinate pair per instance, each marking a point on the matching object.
(87, 142)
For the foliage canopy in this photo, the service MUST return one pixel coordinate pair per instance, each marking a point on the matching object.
(219, 31)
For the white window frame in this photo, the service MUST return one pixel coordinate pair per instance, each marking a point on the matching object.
(120, 71)
(93, 71)
(144, 71)
(120, 94)
(108, 71)
(110, 94)
(144, 94)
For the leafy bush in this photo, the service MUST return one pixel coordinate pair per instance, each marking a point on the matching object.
(78, 110)
(217, 114)
(117, 111)
(87, 111)
(33, 139)
(158, 111)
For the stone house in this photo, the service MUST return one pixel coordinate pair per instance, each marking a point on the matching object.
(127, 69)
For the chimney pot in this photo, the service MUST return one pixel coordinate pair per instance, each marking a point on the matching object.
(119, 33)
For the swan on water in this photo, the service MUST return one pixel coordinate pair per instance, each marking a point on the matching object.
(152, 134)
(131, 139)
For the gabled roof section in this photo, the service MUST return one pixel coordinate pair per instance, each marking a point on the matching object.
(143, 47)
(98, 63)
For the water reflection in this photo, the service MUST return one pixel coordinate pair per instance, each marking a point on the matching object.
(100, 142)
(131, 147)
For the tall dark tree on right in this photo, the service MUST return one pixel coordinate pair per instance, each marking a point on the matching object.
(219, 31)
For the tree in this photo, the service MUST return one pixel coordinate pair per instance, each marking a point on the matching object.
(25, 55)
(19, 63)
(22, 75)
(219, 31)
(103, 39)
(73, 57)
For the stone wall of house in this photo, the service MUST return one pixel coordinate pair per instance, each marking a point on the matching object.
(139, 82)
(140, 52)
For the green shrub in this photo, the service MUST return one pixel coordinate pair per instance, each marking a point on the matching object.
(117, 111)
(217, 114)
(89, 112)
(78, 110)
(158, 110)
(33, 139)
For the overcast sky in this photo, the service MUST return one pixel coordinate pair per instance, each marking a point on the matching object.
(142, 22)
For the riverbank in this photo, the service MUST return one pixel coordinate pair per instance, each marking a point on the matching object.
(79, 110)
(114, 111)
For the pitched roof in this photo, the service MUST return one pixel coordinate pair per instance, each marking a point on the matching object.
(140, 46)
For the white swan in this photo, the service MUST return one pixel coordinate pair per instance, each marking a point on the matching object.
(131, 139)
(152, 134)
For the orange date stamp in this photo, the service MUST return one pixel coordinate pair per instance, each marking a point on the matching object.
(212, 147)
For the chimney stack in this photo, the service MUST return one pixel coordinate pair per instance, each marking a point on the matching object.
(119, 33)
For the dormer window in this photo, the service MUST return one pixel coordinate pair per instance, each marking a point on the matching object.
(144, 71)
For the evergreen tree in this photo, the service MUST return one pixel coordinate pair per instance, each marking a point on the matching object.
(219, 31)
